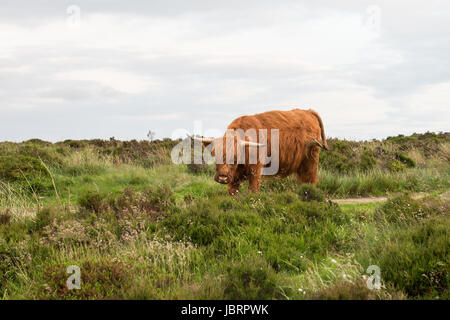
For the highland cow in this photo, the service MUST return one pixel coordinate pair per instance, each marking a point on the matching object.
(300, 136)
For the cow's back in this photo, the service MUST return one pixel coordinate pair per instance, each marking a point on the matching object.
(297, 128)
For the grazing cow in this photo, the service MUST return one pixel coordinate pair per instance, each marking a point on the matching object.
(300, 137)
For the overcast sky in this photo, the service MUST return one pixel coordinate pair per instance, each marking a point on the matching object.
(121, 68)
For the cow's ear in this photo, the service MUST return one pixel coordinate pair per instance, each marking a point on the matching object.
(205, 144)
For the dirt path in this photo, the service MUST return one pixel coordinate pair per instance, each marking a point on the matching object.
(380, 199)
(360, 200)
(446, 195)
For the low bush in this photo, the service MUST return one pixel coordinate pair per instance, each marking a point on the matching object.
(367, 161)
(45, 217)
(151, 202)
(11, 261)
(410, 163)
(340, 158)
(401, 209)
(26, 171)
(5, 216)
(250, 279)
(93, 201)
(345, 290)
(199, 224)
(308, 192)
(104, 279)
(415, 259)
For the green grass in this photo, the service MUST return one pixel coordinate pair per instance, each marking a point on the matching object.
(266, 246)
(149, 229)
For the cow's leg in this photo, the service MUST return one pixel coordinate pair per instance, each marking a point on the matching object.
(307, 173)
(254, 181)
(233, 188)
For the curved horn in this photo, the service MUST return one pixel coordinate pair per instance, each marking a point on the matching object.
(205, 140)
(252, 144)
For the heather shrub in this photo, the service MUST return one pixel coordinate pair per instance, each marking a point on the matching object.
(250, 279)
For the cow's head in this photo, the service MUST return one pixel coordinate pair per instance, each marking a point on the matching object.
(226, 155)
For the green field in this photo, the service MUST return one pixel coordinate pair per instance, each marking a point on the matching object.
(140, 227)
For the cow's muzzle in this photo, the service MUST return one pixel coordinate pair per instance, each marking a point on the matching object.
(222, 179)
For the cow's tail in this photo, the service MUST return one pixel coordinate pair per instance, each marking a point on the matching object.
(322, 144)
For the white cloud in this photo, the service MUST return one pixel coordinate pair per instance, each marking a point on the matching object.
(121, 81)
(430, 105)
(138, 65)
(147, 117)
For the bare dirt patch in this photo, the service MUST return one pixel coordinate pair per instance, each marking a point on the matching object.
(416, 196)
(360, 200)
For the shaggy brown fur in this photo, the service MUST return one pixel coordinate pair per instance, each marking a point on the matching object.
(301, 135)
